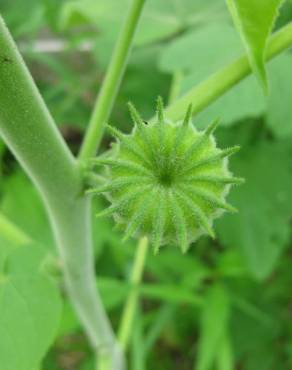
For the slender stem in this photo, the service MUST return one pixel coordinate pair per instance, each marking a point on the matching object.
(128, 315)
(163, 316)
(138, 356)
(28, 129)
(224, 358)
(206, 92)
(112, 82)
(12, 233)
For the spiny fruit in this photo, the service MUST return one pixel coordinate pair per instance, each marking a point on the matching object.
(166, 180)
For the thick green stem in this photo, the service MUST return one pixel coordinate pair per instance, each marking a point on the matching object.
(132, 300)
(209, 90)
(31, 134)
(112, 82)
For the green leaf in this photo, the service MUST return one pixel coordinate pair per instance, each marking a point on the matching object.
(279, 110)
(69, 322)
(89, 363)
(11, 233)
(254, 342)
(215, 314)
(14, 18)
(30, 309)
(169, 293)
(261, 228)
(200, 53)
(170, 265)
(246, 100)
(113, 292)
(5, 249)
(254, 20)
(22, 205)
(160, 19)
(142, 71)
(231, 264)
(163, 315)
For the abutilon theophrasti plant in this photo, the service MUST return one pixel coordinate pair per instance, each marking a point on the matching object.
(166, 180)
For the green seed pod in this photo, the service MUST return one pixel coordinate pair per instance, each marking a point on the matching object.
(166, 180)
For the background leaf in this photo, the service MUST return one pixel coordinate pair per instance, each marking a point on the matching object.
(30, 309)
(200, 53)
(22, 205)
(261, 228)
(213, 326)
(279, 111)
(161, 18)
(254, 20)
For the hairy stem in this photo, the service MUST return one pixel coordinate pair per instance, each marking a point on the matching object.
(31, 134)
(129, 312)
(209, 90)
(112, 82)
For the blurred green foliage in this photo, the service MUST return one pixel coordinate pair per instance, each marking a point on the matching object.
(226, 305)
